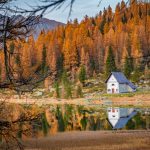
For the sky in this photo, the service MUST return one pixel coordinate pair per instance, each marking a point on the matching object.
(80, 9)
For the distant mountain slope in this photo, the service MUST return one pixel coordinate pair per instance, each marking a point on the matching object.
(46, 24)
(43, 24)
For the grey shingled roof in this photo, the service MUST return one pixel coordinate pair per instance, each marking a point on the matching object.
(120, 77)
(124, 120)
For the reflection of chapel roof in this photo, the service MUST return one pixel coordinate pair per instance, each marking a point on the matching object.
(123, 120)
(120, 77)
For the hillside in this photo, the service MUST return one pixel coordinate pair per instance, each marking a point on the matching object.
(110, 41)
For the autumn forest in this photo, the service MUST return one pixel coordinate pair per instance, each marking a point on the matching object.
(108, 42)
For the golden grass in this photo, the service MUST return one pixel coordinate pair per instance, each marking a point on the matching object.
(89, 140)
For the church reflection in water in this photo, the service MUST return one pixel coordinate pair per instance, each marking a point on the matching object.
(119, 117)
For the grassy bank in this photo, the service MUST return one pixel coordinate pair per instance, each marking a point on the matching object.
(127, 94)
(89, 140)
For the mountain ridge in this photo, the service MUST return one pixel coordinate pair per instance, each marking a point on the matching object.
(38, 25)
(46, 25)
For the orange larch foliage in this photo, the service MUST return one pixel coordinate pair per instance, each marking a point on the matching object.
(126, 30)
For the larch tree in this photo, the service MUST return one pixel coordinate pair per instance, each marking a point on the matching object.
(54, 65)
(33, 51)
(70, 55)
(44, 64)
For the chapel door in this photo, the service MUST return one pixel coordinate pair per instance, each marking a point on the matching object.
(113, 90)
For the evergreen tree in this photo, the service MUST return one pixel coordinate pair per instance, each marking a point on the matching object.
(59, 66)
(110, 62)
(84, 121)
(82, 74)
(68, 90)
(128, 66)
(61, 123)
(45, 125)
(130, 125)
(64, 78)
(57, 89)
(135, 77)
(66, 85)
(79, 93)
(43, 65)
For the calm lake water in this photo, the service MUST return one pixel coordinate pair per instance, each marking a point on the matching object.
(49, 120)
(80, 118)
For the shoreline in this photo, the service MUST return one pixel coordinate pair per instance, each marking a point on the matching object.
(139, 100)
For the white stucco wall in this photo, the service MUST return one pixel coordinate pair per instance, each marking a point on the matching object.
(123, 88)
(130, 89)
(113, 115)
(112, 85)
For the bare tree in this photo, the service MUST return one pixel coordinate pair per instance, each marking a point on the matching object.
(14, 25)
(12, 128)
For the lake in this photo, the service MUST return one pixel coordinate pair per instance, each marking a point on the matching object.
(27, 123)
(80, 118)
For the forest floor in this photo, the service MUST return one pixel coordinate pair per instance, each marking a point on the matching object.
(139, 99)
(92, 140)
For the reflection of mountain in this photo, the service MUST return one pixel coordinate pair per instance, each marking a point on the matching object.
(118, 117)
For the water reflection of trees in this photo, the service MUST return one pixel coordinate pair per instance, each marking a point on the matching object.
(140, 121)
(15, 124)
(22, 122)
(70, 117)
(80, 118)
